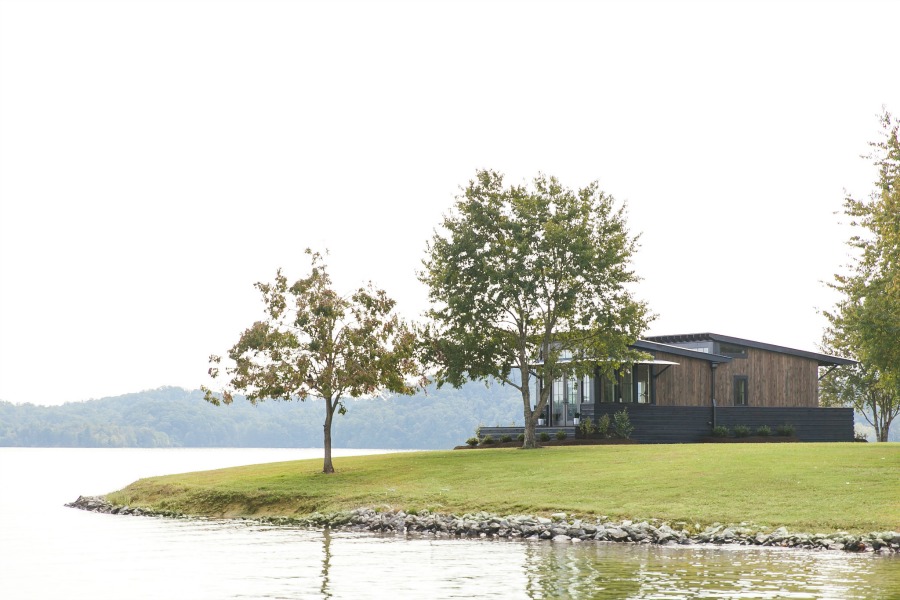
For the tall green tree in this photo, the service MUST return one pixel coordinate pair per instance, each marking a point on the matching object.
(865, 324)
(519, 275)
(315, 342)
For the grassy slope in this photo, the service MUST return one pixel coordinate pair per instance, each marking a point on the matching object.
(807, 487)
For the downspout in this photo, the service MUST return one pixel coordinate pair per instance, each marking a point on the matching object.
(712, 390)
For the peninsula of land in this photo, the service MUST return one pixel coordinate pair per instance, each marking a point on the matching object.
(835, 496)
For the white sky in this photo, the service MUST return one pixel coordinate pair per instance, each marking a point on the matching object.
(158, 158)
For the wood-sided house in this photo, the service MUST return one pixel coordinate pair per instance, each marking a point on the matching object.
(694, 382)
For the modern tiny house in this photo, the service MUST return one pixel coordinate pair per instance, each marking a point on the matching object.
(692, 382)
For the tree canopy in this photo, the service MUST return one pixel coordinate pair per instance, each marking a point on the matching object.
(315, 342)
(520, 275)
(865, 324)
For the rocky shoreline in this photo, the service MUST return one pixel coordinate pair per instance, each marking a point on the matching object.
(560, 527)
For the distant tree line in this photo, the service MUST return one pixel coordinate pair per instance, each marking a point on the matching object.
(173, 417)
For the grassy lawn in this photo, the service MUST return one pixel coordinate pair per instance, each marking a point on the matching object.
(806, 487)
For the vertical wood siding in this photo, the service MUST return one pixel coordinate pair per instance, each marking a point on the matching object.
(684, 384)
(774, 379)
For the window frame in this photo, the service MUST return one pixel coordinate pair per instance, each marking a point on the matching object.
(736, 385)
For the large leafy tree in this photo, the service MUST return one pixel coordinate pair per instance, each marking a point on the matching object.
(315, 342)
(519, 275)
(863, 389)
(865, 324)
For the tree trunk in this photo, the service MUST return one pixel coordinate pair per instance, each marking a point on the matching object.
(530, 440)
(531, 419)
(329, 413)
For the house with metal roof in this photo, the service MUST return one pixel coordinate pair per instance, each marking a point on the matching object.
(693, 382)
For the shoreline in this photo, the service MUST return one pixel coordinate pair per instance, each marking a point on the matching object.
(559, 528)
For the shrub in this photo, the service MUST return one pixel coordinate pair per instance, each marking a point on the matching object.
(561, 435)
(544, 436)
(505, 438)
(622, 424)
(521, 437)
(472, 441)
(786, 430)
(720, 431)
(763, 431)
(860, 436)
(603, 425)
(488, 439)
(741, 431)
(587, 427)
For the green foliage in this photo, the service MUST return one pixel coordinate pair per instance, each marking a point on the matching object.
(785, 430)
(720, 431)
(586, 427)
(520, 272)
(505, 438)
(622, 424)
(561, 435)
(865, 324)
(487, 440)
(315, 342)
(742, 431)
(472, 441)
(520, 437)
(543, 436)
(763, 431)
(603, 425)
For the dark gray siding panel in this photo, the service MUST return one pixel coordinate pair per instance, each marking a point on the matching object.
(686, 424)
(811, 424)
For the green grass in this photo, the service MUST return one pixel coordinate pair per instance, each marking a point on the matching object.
(806, 487)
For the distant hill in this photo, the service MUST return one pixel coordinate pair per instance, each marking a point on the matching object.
(174, 417)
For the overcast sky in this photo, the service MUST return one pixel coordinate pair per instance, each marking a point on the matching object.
(158, 158)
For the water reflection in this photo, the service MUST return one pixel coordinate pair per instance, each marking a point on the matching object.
(326, 562)
(625, 571)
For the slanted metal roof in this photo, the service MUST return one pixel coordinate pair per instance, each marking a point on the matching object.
(824, 360)
(679, 351)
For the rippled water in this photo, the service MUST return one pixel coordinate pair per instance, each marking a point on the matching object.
(48, 551)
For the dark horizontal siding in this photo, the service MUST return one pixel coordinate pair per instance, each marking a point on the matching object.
(659, 424)
(811, 424)
(686, 424)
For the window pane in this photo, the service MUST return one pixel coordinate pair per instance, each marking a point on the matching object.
(740, 391)
(642, 375)
(625, 390)
(609, 390)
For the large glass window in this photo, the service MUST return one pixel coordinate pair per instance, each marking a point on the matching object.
(625, 386)
(741, 395)
(586, 389)
(642, 382)
(608, 393)
(556, 403)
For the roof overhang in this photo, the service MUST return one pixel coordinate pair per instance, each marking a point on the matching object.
(823, 360)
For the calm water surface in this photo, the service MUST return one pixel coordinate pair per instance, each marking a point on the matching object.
(48, 551)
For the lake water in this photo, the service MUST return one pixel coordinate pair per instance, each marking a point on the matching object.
(49, 551)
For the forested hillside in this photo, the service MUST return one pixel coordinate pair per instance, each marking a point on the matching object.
(174, 417)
